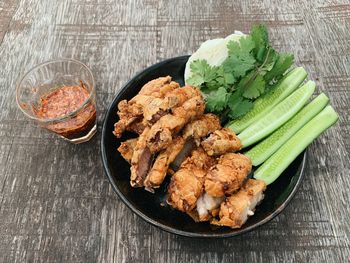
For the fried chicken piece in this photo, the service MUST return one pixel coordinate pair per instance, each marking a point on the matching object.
(179, 96)
(193, 132)
(189, 146)
(160, 167)
(199, 159)
(238, 161)
(127, 115)
(227, 176)
(141, 161)
(185, 188)
(186, 184)
(161, 133)
(126, 149)
(154, 111)
(136, 127)
(206, 208)
(221, 141)
(130, 111)
(235, 210)
(201, 127)
(155, 87)
(160, 107)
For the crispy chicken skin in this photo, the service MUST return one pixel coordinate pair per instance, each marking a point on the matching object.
(154, 111)
(201, 127)
(227, 176)
(220, 142)
(160, 167)
(238, 161)
(141, 161)
(127, 115)
(235, 210)
(130, 111)
(178, 96)
(155, 87)
(126, 149)
(186, 184)
(199, 160)
(161, 133)
(161, 106)
(136, 127)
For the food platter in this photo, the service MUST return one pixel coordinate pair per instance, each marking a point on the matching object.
(152, 207)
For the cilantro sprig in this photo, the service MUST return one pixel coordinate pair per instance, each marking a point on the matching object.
(251, 68)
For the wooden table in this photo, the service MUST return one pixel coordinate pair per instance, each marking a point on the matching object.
(55, 201)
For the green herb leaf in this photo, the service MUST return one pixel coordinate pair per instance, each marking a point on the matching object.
(239, 64)
(244, 45)
(240, 59)
(217, 100)
(260, 38)
(283, 62)
(238, 106)
(269, 61)
(255, 88)
(201, 72)
(224, 79)
(229, 78)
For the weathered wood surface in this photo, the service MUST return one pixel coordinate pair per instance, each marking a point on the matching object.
(55, 202)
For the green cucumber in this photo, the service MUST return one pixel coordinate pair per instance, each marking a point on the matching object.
(259, 153)
(280, 114)
(280, 160)
(266, 102)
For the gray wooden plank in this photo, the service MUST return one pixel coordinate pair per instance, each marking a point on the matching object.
(55, 203)
(7, 10)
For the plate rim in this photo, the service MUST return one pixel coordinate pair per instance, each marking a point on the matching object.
(161, 225)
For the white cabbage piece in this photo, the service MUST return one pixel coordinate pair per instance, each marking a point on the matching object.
(214, 51)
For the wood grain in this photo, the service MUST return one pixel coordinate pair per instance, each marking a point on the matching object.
(56, 204)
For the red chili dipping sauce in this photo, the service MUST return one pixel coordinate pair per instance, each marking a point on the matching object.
(63, 101)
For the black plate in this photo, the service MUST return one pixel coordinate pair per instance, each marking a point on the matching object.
(151, 206)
